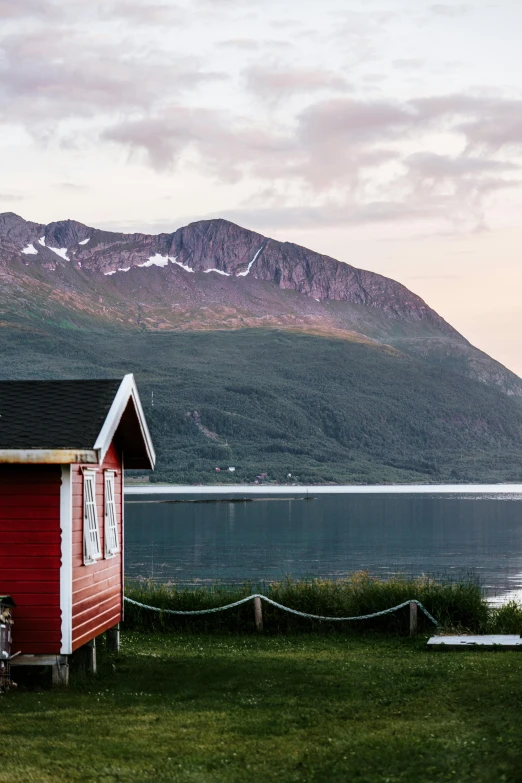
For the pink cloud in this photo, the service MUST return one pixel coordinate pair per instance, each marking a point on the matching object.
(41, 83)
(15, 9)
(274, 83)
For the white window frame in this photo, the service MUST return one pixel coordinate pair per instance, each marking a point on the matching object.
(112, 545)
(91, 528)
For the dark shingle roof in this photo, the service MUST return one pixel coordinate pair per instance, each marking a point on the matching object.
(54, 414)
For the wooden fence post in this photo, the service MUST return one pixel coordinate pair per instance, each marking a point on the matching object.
(413, 618)
(258, 613)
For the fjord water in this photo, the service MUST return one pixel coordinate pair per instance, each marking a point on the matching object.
(230, 541)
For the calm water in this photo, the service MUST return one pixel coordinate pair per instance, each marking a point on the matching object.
(329, 536)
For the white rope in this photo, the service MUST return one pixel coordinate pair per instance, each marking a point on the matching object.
(286, 609)
(199, 611)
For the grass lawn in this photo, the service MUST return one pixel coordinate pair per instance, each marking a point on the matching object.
(200, 708)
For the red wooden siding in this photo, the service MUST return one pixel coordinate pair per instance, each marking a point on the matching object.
(30, 554)
(97, 587)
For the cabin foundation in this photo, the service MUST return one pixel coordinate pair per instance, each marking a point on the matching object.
(59, 666)
(60, 675)
(86, 657)
(112, 637)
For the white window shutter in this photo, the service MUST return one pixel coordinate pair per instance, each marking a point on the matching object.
(91, 533)
(111, 526)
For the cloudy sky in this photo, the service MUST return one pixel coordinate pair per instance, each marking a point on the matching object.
(386, 133)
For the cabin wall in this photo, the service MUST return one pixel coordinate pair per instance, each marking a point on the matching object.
(30, 553)
(97, 588)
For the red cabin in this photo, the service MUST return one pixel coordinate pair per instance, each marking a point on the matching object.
(63, 449)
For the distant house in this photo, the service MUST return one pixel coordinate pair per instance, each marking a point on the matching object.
(63, 449)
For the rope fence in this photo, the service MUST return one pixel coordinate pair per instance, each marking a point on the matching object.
(257, 598)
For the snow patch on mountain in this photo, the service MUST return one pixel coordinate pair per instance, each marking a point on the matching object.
(219, 271)
(84, 241)
(183, 266)
(42, 241)
(121, 269)
(30, 250)
(60, 251)
(156, 260)
(251, 264)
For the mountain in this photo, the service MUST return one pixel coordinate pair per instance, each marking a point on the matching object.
(259, 353)
(216, 275)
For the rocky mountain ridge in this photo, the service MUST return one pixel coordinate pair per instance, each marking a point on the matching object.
(212, 246)
(216, 275)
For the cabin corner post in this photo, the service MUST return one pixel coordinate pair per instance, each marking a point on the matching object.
(60, 674)
(112, 637)
(122, 539)
(66, 560)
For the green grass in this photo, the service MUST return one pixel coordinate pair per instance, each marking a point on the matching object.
(455, 605)
(226, 709)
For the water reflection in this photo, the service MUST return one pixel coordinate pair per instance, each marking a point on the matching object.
(330, 536)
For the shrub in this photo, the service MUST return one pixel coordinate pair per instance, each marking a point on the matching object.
(456, 605)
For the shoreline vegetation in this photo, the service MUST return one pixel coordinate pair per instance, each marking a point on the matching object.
(457, 606)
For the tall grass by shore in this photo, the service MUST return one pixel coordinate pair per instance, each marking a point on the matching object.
(456, 606)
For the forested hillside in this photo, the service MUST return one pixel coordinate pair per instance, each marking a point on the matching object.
(321, 409)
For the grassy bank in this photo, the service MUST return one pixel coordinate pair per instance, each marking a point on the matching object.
(459, 605)
(196, 708)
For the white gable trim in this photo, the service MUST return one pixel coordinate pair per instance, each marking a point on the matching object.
(126, 391)
(66, 566)
(48, 456)
(122, 538)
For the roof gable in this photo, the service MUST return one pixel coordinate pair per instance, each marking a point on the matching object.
(72, 421)
(127, 422)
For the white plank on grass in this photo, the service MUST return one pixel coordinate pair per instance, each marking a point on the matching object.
(490, 640)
